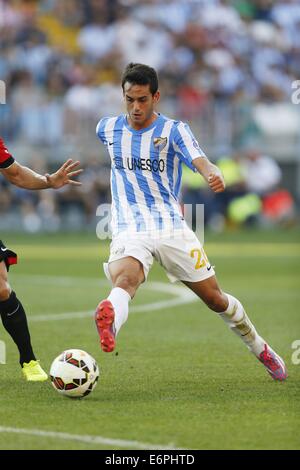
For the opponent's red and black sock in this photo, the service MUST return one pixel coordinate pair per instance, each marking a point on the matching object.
(14, 321)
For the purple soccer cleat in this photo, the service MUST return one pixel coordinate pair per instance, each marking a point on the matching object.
(273, 363)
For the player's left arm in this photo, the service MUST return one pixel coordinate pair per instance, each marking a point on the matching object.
(211, 173)
(24, 177)
(193, 156)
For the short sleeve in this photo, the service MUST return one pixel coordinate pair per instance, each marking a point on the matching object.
(100, 129)
(186, 145)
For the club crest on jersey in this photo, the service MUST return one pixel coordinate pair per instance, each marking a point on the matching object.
(160, 142)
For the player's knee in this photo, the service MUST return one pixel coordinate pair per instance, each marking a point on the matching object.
(5, 290)
(216, 301)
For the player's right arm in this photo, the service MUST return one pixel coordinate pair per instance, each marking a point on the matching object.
(24, 177)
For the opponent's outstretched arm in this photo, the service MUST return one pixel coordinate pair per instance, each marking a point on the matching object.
(211, 173)
(24, 177)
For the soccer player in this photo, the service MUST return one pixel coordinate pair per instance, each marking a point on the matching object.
(11, 310)
(147, 150)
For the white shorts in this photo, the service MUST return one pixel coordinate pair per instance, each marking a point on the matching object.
(183, 257)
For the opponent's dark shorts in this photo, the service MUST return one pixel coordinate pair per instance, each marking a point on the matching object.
(8, 256)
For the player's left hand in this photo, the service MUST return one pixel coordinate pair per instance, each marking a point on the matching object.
(216, 181)
(64, 174)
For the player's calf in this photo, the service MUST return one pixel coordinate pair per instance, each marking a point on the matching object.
(215, 300)
(14, 321)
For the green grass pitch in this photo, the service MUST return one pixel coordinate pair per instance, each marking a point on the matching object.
(180, 378)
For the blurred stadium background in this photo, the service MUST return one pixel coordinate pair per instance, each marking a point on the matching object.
(225, 66)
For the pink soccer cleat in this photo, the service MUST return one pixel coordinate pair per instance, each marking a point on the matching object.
(273, 363)
(104, 318)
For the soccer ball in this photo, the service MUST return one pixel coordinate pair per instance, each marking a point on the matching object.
(74, 373)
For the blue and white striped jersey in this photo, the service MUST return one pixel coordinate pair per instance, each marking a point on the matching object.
(146, 171)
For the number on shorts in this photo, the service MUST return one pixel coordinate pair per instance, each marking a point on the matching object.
(201, 257)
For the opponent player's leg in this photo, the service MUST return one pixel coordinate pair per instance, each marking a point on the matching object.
(126, 274)
(14, 321)
(232, 312)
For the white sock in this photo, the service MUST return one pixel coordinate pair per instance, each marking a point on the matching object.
(120, 299)
(237, 319)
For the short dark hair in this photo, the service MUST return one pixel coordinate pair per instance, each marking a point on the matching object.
(140, 74)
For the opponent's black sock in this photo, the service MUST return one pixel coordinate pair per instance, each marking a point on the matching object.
(14, 321)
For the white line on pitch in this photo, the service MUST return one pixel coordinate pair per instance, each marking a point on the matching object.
(182, 296)
(85, 438)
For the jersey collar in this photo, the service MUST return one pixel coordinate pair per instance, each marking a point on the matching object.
(144, 129)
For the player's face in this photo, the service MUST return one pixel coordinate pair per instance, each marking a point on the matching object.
(140, 104)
